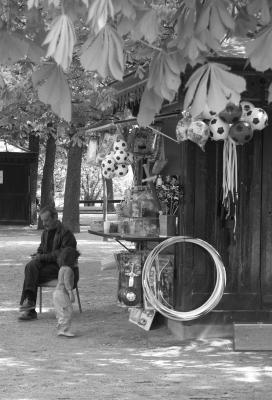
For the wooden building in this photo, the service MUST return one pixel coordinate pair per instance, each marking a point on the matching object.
(247, 255)
(15, 162)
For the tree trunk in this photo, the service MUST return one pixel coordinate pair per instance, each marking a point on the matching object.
(72, 189)
(34, 146)
(47, 187)
(110, 195)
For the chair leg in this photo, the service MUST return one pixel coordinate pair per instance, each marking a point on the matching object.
(78, 299)
(40, 306)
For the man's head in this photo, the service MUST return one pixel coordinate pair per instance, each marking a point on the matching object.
(49, 217)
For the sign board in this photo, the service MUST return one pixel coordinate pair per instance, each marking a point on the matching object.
(1, 177)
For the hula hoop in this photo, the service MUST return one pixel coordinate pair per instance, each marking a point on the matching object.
(213, 300)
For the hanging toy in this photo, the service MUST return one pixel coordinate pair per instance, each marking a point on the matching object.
(120, 170)
(219, 130)
(231, 114)
(198, 132)
(258, 118)
(241, 132)
(108, 174)
(120, 156)
(119, 144)
(108, 167)
(246, 106)
(183, 125)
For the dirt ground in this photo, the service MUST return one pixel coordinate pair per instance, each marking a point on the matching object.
(110, 358)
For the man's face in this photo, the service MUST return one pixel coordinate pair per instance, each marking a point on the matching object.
(48, 221)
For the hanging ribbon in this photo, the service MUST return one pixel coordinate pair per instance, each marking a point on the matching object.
(230, 178)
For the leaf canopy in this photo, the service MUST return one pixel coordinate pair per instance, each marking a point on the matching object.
(106, 38)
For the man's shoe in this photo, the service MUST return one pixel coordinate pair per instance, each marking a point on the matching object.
(28, 315)
(27, 305)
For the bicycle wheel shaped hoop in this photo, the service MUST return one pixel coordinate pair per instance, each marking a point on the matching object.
(215, 296)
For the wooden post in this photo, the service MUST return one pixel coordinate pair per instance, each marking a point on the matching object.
(105, 203)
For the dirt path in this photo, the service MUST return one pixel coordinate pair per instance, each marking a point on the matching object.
(110, 358)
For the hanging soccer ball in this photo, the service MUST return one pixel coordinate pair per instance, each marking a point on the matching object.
(231, 114)
(198, 132)
(219, 129)
(241, 132)
(107, 173)
(120, 170)
(130, 158)
(246, 106)
(120, 156)
(258, 118)
(108, 163)
(119, 144)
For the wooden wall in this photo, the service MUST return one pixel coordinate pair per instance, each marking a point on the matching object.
(247, 255)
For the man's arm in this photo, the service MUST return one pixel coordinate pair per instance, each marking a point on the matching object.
(68, 240)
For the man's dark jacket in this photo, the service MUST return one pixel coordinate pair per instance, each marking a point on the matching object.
(63, 238)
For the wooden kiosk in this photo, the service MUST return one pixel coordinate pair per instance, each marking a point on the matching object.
(15, 164)
(247, 255)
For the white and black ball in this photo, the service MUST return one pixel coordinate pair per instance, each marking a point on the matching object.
(119, 144)
(120, 156)
(108, 163)
(219, 130)
(246, 106)
(120, 170)
(258, 118)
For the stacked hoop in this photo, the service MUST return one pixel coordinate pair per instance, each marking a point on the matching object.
(213, 300)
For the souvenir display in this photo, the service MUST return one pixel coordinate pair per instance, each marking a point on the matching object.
(235, 125)
(115, 163)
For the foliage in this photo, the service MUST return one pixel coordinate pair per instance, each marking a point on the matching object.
(106, 38)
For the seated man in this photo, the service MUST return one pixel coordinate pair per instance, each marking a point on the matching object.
(44, 264)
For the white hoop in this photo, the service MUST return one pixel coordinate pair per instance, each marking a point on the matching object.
(208, 305)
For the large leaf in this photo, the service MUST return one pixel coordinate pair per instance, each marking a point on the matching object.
(212, 85)
(126, 7)
(13, 47)
(164, 75)
(215, 16)
(53, 89)
(61, 40)
(259, 50)
(103, 53)
(99, 12)
(150, 105)
(147, 26)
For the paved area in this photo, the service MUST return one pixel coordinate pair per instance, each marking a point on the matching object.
(110, 358)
